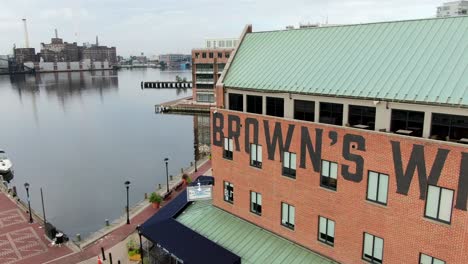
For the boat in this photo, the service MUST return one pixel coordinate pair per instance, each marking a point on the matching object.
(5, 164)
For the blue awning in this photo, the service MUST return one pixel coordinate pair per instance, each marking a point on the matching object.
(182, 241)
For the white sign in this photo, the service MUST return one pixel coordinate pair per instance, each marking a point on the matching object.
(200, 192)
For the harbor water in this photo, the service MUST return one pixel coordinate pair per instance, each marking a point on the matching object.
(81, 135)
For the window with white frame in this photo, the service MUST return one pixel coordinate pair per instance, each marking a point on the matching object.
(287, 215)
(426, 259)
(228, 192)
(289, 164)
(329, 174)
(439, 203)
(228, 148)
(377, 187)
(256, 203)
(373, 248)
(255, 155)
(326, 231)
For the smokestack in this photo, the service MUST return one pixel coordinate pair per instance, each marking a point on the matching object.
(97, 41)
(56, 34)
(26, 38)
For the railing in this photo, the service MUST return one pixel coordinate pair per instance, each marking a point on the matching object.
(204, 71)
(205, 81)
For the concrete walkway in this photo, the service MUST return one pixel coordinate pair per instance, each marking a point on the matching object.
(115, 241)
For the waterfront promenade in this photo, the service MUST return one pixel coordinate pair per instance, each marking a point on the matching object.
(22, 242)
(114, 241)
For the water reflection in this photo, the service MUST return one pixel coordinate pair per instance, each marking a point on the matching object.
(81, 135)
(65, 85)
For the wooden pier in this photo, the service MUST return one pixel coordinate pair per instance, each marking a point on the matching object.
(165, 85)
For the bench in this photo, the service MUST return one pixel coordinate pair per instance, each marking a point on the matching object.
(179, 186)
(166, 195)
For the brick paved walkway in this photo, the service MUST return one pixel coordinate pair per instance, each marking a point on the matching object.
(20, 241)
(123, 231)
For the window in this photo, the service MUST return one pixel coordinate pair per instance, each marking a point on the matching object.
(449, 127)
(373, 248)
(255, 155)
(408, 123)
(439, 204)
(304, 110)
(211, 55)
(254, 104)
(221, 67)
(362, 117)
(208, 43)
(197, 55)
(289, 164)
(377, 187)
(236, 102)
(227, 153)
(204, 55)
(275, 106)
(326, 231)
(228, 192)
(287, 215)
(329, 173)
(226, 55)
(425, 259)
(256, 203)
(205, 98)
(331, 114)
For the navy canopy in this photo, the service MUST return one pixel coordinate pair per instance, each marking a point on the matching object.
(182, 241)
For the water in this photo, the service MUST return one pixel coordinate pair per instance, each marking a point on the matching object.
(80, 136)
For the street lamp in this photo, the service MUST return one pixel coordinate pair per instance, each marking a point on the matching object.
(26, 185)
(141, 244)
(127, 185)
(195, 146)
(167, 174)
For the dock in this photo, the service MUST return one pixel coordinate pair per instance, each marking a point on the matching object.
(162, 85)
(183, 106)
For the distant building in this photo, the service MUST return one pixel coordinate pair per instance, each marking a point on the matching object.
(100, 53)
(59, 51)
(175, 60)
(455, 8)
(222, 43)
(25, 55)
(207, 67)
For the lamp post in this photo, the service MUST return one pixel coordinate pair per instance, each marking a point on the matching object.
(195, 146)
(26, 185)
(127, 185)
(141, 244)
(167, 174)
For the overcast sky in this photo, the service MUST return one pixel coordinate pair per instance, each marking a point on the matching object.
(177, 26)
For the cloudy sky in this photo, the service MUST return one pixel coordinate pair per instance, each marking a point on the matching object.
(162, 26)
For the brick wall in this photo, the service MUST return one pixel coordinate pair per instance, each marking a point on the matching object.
(401, 223)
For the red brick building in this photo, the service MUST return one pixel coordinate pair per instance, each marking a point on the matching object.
(349, 140)
(207, 66)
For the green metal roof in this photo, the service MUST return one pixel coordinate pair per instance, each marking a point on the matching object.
(252, 243)
(417, 61)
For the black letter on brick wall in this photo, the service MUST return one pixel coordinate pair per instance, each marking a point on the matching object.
(361, 145)
(254, 123)
(417, 161)
(277, 139)
(462, 192)
(234, 134)
(218, 129)
(306, 145)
